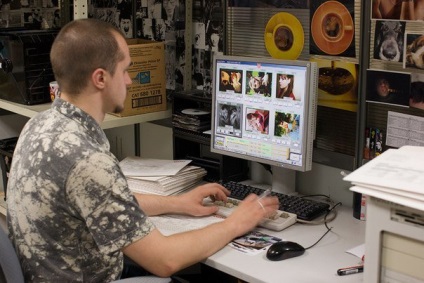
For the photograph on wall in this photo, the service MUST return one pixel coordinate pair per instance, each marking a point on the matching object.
(117, 12)
(199, 34)
(286, 4)
(388, 87)
(389, 40)
(332, 28)
(170, 65)
(287, 125)
(210, 14)
(257, 120)
(417, 91)
(199, 71)
(398, 10)
(258, 83)
(30, 14)
(180, 60)
(337, 84)
(414, 51)
(208, 38)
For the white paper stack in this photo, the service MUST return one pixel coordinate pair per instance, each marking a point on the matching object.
(397, 176)
(161, 177)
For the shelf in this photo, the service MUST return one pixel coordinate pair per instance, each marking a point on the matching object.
(110, 121)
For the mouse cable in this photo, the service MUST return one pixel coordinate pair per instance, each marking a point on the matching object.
(325, 223)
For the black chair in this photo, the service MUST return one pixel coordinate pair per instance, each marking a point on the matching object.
(11, 270)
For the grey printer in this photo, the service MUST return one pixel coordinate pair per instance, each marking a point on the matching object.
(25, 69)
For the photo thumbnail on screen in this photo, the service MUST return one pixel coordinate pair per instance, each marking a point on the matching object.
(258, 83)
(257, 120)
(230, 80)
(229, 119)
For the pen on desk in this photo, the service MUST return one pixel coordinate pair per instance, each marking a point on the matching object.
(265, 194)
(350, 270)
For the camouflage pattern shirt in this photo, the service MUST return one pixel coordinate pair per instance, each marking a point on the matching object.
(69, 208)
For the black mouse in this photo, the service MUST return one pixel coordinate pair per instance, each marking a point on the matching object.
(284, 250)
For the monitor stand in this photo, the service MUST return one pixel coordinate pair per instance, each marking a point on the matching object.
(283, 180)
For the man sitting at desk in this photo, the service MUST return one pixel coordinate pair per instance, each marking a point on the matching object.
(71, 215)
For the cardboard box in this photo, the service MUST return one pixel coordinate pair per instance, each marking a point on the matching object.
(147, 93)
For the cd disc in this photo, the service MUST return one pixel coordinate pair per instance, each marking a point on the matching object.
(191, 111)
(284, 36)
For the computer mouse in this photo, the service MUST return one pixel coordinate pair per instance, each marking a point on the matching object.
(284, 250)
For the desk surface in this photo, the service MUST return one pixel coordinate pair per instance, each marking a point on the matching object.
(318, 264)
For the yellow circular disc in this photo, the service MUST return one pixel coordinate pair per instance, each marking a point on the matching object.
(284, 38)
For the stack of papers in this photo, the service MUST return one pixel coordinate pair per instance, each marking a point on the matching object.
(161, 177)
(397, 175)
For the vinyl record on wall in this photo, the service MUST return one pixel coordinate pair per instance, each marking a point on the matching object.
(332, 28)
(284, 37)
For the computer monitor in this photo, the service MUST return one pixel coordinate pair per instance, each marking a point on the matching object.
(264, 110)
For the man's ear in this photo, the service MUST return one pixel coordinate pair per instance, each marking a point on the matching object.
(98, 78)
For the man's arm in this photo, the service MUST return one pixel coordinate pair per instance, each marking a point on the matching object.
(164, 256)
(190, 203)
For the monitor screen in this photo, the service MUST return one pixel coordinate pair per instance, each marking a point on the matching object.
(264, 110)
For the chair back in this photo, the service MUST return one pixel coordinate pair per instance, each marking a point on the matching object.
(10, 266)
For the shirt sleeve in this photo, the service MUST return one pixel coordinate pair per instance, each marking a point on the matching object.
(98, 190)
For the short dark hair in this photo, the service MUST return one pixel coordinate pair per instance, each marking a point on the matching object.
(81, 47)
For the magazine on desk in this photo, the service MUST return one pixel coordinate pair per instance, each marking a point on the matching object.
(396, 175)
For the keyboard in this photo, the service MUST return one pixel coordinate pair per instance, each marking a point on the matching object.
(278, 221)
(304, 209)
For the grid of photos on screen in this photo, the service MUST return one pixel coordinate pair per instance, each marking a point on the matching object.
(267, 109)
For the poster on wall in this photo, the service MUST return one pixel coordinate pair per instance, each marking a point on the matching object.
(388, 87)
(30, 14)
(118, 12)
(414, 51)
(287, 4)
(332, 28)
(337, 84)
(208, 39)
(164, 21)
(417, 91)
(389, 40)
(398, 10)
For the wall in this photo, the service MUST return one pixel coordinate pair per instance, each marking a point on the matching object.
(121, 139)
(156, 141)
